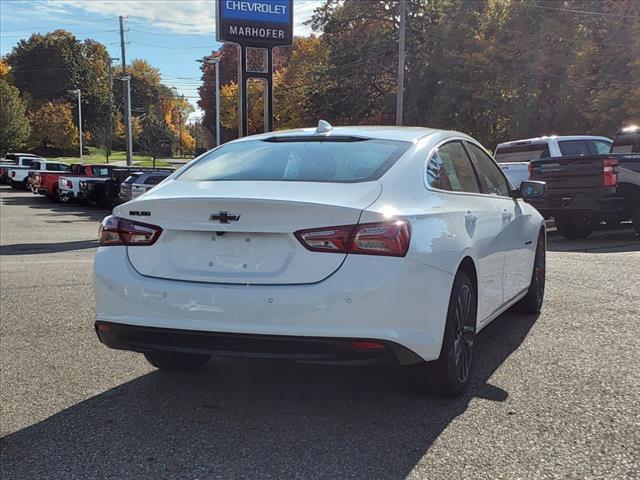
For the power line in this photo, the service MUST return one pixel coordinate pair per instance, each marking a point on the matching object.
(73, 33)
(171, 48)
(584, 12)
(57, 27)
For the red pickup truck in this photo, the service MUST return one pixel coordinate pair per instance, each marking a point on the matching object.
(46, 183)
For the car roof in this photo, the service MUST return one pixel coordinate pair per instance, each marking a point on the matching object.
(406, 134)
(552, 137)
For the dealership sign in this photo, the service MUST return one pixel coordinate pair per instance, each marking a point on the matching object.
(255, 23)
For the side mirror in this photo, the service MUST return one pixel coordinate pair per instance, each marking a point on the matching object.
(530, 189)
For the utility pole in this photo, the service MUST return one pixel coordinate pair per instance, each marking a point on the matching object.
(400, 81)
(127, 96)
(180, 122)
(79, 94)
(110, 113)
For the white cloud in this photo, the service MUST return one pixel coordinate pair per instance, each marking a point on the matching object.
(184, 16)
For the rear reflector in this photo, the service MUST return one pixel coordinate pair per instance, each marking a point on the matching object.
(367, 345)
(104, 327)
(121, 231)
(385, 238)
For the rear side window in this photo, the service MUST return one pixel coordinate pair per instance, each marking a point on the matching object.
(154, 179)
(27, 162)
(574, 147)
(601, 147)
(450, 169)
(337, 160)
(493, 180)
(522, 153)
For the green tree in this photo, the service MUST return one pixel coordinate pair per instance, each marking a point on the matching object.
(15, 126)
(45, 67)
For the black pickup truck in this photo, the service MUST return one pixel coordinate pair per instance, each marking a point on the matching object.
(584, 190)
(104, 192)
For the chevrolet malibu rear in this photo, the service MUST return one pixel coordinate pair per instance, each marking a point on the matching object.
(304, 245)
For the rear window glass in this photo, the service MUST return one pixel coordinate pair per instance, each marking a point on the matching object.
(130, 179)
(57, 167)
(154, 179)
(100, 171)
(627, 142)
(522, 153)
(298, 160)
(574, 147)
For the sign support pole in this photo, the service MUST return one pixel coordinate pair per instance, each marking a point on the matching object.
(260, 24)
(242, 94)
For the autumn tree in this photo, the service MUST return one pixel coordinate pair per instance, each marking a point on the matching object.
(45, 67)
(14, 130)
(52, 126)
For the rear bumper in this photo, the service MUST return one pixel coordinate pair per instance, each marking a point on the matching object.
(392, 300)
(303, 349)
(582, 203)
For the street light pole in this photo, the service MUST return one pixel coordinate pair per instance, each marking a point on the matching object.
(79, 94)
(400, 81)
(215, 61)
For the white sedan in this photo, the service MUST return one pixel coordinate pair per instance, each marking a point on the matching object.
(341, 245)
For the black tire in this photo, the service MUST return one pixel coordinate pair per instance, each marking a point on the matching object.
(636, 222)
(14, 185)
(177, 362)
(449, 375)
(575, 228)
(55, 196)
(532, 302)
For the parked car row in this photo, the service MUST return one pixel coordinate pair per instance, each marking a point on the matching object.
(589, 179)
(94, 184)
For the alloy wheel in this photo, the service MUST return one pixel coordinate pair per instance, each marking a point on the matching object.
(464, 334)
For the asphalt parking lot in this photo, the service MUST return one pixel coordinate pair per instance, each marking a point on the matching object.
(553, 397)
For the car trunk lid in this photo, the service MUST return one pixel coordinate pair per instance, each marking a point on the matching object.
(242, 232)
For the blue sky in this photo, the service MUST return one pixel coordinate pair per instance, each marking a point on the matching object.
(170, 34)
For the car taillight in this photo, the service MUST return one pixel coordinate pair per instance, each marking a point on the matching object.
(385, 238)
(13, 174)
(69, 185)
(530, 168)
(609, 175)
(121, 231)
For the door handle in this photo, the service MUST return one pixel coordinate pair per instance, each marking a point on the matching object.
(470, 217)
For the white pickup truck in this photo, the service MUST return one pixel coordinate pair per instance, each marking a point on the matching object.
(514, 157)
(18, 175)
(15, 160)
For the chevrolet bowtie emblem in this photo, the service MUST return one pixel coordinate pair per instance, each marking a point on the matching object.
(224, 217)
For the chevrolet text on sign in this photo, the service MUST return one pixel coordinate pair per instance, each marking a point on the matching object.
(255, 23)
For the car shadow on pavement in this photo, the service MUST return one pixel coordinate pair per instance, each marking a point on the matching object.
(601, 241)
(35, 248)
(54, 209)
(252, 419)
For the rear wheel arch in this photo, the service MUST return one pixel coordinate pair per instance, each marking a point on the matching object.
(468, 266)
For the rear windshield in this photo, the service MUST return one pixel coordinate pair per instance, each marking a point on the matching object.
(100, 171)
(627, 142)
(522, 153)
(130, 179)
(57, 167)
(337, 160)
